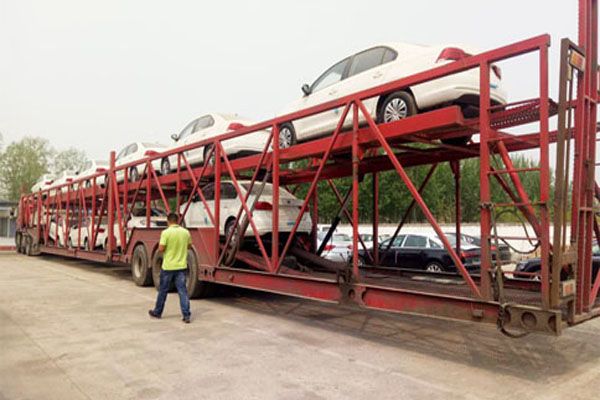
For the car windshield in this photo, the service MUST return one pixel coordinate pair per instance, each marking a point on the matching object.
(341, 237)
(267, 191)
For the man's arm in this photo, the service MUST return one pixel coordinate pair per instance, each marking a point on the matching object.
(161, 248)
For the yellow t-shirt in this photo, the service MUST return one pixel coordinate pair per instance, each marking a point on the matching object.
(176, 241)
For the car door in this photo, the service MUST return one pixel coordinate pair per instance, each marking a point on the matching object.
(230, 203)
(412, 253)
(324, 89)
(367, 69)
(387, 256)
(197, 216)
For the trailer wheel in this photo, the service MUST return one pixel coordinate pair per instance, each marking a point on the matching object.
(196, 288)
(28, 245)
(231, 228)
(140, 266)
(18, 239)
(287, 135)
(157, 260)
(396, 106)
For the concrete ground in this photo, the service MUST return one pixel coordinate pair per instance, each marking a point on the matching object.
(73, 330)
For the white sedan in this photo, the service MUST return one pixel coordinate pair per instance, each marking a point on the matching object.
(338, 248)
(209, 126)
(65, 177)
(43, 183)
(91, 168)
(135, 152)
(289, 208)
(137, 219)
(382, 64)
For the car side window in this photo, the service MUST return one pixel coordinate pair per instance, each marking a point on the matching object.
(331, 76)
(132, 149)
(389, 55)
(204, 122)
(228, 191)
(415, 241)
(187, 130)
(398, 241)
(366, 60)
(209, 192)
(434, 245)
(122, 153)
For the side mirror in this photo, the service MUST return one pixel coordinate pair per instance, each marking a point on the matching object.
(306, 89)
(175, 137)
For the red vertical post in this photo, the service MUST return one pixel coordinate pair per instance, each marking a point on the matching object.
(485, 197)
(275, 212)
(376, 218)
(217, 210)
(457, 203)
(544, 177)
(178, 184)
(355, 192)
(148, 207)
(112, 184)
(91, 232)
(314, 208)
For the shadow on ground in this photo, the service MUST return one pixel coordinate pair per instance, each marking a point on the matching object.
(536, 358)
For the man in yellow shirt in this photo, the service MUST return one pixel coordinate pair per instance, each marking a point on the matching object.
(174, 244)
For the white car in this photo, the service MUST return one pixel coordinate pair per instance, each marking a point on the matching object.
(158, 219)
(338, 248)
(367, 239)
(43, 183)
(209, 126)
(289, 207)
(92, 167)
(86, 232)
(59, 229)
(65, 177)
(134, 152)
(382, 64)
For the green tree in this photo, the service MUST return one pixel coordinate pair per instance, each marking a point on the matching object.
(22, 163)
(69, 159)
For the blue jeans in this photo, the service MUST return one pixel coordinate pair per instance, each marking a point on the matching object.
(165, 283)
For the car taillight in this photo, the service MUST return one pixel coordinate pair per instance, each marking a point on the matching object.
(235, 126)
(452, 54)
(329, 247)
(150, 153)
(263, 206)
(497, 71)
(101, 230)
(350, 246)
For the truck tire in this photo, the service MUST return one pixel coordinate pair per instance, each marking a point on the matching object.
(140, 266)
(197, 289)
(156, 267)
(28, 247)
(18, 240)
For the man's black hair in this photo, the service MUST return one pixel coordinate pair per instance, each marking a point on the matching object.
(173, 218)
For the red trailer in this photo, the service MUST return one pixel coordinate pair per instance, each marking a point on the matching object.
(564, 294)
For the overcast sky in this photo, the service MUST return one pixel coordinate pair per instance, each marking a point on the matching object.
(97, 75)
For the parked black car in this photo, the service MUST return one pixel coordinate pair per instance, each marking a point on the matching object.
(422, 252)
(534, 265)
(503, 248)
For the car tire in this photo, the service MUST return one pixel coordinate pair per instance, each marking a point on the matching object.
(85, 244)
(165, 167)
(287, 135)
(457, 141)
(434, 266)
(207, 150)
(396, 106)
(134, 175)
(234, 243)
(28, 245)
(70, 243)
(140, 266)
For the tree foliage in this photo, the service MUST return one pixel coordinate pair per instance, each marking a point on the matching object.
(22, 164)
(395, 199)
(70, 159)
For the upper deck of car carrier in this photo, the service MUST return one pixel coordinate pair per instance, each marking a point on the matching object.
(564, 294)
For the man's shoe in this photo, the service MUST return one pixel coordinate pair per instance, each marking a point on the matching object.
(187, 320)
(153, 314)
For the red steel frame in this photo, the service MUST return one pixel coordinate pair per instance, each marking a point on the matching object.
(488, 297)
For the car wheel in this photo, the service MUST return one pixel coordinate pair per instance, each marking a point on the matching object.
(207, 151)
(396, 106)
(231, 250)
(133, 174)
(458, 141)
(85, 244)
(433, 266)
(287, 135)
(70, 243)
(88, 184)
(165, 167)
(18, 239)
